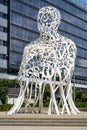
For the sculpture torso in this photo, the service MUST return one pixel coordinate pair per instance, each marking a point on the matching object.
(44, 60)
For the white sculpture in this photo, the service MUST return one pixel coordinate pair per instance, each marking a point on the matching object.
(49, 60)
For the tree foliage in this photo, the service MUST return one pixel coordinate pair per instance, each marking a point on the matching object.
(4, 85)
(9, 83)
(3, 93)
(80, 96)
(46, 97)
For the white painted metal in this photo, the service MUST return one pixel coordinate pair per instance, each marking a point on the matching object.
(48, 60)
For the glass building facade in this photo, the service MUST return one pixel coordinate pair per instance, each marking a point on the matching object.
(22, 19)
(3, 37)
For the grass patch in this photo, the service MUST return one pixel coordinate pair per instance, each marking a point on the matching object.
(81, 104)
(5, 107)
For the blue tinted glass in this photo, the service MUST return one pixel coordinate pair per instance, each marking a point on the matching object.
(17, 45)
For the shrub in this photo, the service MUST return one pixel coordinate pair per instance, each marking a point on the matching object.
(84, 97)
(5, 107)
(81, 104)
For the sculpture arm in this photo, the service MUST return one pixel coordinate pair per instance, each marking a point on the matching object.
(23, 62)
(72, 52)
(72, 55)
(27, 55)
(30, 51)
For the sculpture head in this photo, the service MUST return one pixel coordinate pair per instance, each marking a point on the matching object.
(48, 19)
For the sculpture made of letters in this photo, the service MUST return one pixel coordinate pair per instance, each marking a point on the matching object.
(50, 59)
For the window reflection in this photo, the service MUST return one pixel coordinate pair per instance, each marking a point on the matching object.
(3, 70)
(81, 62)
(2, 56)
(73, 20)
(72, 29)
(24, 22)
(23, 34)
(17, 45)
(82, 53)
(3, 29)
(24, 9)
(15, 59)
(3, 43)
(80, 71)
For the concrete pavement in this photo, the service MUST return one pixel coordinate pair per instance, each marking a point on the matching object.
(40, 128)
(43, 121)
(82, 114)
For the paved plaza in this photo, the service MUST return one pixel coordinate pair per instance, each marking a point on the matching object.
(40, 118)
(83, 114)
(40, 128)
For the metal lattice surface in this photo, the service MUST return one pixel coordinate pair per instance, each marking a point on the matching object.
(50, 59)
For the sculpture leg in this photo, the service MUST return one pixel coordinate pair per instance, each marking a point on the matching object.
(70, 100)
(69, 96)
(53, 100)
(40, 98)
(49, 109)
(75, 108)
(29, 96)
(65, 104)
(28, 107)
(20, 99)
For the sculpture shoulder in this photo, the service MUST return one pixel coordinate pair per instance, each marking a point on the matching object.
(71, 43)
(68, 42)
(29, 47)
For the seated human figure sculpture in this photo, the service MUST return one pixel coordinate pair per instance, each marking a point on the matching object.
(50, 59)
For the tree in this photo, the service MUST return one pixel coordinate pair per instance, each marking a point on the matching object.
(9, 83)
(84, 97)
(46, 97)
(3, 93)
(78, 95)
(4, 85)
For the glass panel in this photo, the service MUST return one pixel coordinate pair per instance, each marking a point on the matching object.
(15, 58)
(24, 9)
(2, 56)
(82, 53)
(72, 9)
(73, 20)
(23, 34)
(81, 72)
(73, 30)
(24, 22)
(3, 29)
(17, 45)
(4, 43)
(3, 70)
